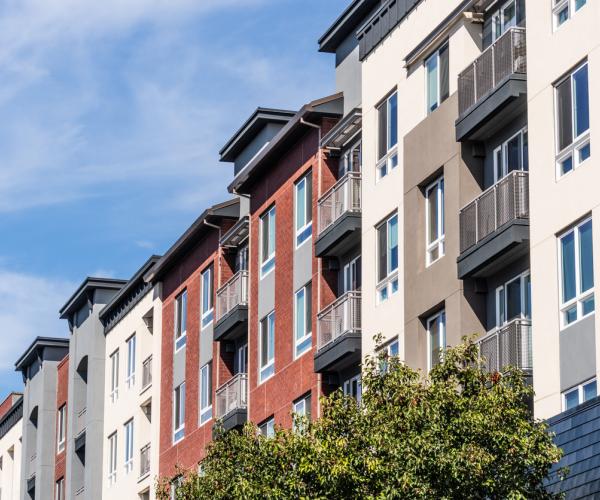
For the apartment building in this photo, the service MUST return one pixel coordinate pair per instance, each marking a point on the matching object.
(132, 323)
(85, 411)
(39, 367)
(62, 434)
(11, 432)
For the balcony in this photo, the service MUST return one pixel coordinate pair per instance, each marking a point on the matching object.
(339, 334)
(145, 461)
(232, 308)
(146, 374)
(494, 228)
(509, 345)
(339, 212)
(492, 90)
(232, 402)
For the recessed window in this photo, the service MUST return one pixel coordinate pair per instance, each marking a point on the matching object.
(387, 157)
(513, 300)
(577, 273)
(206, 393)
(351, 160)
(572, 120)
(61, 427)
(112, 458)
(60, 489)
(580, 394)
(131, 344)
(434, 196)
(301, 410)
(511, 155)
(436, 338)
(352, 275)
(504, 19)
(207, 296)
(179, 413)
(387, 258)
(267, 428)
(303, 209)
(353, 388)
(267, 347)
(267, 252)
(391, 350)
(181, 320)
(562, 10)
(303, 320)
(437, 69)
(128, 446)
(114, 376)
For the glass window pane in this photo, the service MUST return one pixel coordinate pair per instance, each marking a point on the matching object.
(501, 307)
(581, 100)
(513, 153)
(271, 337)
(264, 344)
(586, 257)
(579, 4)
(444, 73)
(272, 231)
(584, 153)
(308, 308)
(571, 399)
(513, 299)
(432, 212)
(393, 243)
(571, 315)
(393, 119)
(383, 132)
(566, 165)
(563, 15)
(527, 291)
(509, 16)
(499, 164)
(525, 151)
(308, 197)
(382, 244)
(565, 129)
(589, 391)
(568, 266)
(432, 83)
(588, 305)
(441, 208)
(300, 314)
(301, 204)
(265, 237)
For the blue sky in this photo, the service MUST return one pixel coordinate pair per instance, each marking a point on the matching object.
(112, 115)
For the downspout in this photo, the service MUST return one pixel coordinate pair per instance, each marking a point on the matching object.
(218, 228)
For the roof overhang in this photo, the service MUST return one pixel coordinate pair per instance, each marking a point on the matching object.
(37, 346)
(83, 294)
(345, 130)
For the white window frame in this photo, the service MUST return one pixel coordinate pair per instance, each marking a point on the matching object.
(180, 326)
(389, 161)
(441, 317)
(112, 458)
(61, 427)
(242, 358)
(60, 489)
(347, 163)
(503, 150)
(206, 393)
(559, 6)
(303, 344)
(501, 299)
(268, 220)
(352, 271)
(301, 408)
(304, 232)
(114, 376)
(206, 282)
(267, 428)
(179, 430)
(347, 387)
(438, 244)
(266, 370)
(498, 17)
(128, 430)
(580, 297)
(580, 393)
(579, 142)
(435, 55)
(131, 360)
(389, 285)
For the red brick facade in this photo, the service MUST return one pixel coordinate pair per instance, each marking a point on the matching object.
(62, 390)
(7, 404)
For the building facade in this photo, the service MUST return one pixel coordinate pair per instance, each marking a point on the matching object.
(11, 434)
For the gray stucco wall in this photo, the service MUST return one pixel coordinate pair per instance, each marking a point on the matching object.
(263, 137)
(577, 352)
(266, 294)
(303, 263)
(348, 77)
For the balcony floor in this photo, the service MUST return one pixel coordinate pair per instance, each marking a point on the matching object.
(339, 354)
(340, 237)
(233, 325)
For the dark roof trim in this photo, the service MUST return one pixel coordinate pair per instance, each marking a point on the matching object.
(331, 106)
(250, 128)
(80, 296)
(345, 24)
(227, 210)
(344, 130)
(34, 349)
(583, 407)
(11, 417)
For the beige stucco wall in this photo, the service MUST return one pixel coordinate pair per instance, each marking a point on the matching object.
(10, 475)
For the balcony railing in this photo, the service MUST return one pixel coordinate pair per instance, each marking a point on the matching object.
(145, 460)
(509, 345)
(343, 197)
(340, 317)
(503, 202)
(147, 373)
(233, 293)
(233, 395)
(507, 56)
(81, 422)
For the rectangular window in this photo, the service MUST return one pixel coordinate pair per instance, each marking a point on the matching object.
(114, 376)
(580, 394)
(128, 446)
(242, 359)
(434, 215)
(352, 275)
(387, 157)
(267, 231)
(179, 413)
(437, 68)
(503, 19)
(60, 489)
(61, 430)
(392, 350)
(513, 154)
(301, 409)
(351, 160)
(112, 458)
(303, 320)
(207, 296)
(181, 320)
(572, 120)
(130, 380)
(352, 387)
(436, 338)
(304, 209)
(267, 347)
(387, 258)
(267, 428)
(562, 10)
(577, 272)
(513, 300)
(206, 393)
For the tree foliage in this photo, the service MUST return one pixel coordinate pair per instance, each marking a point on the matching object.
(458, 433)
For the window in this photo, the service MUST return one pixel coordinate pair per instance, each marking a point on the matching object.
(267, 347)
(181, 320)
(563, 9)
(303, 209)
(436, 338)
(352, 387)
(303, 320)
(267, 230)
(175, 485)
(352, 275)
(129, 446)
(206, 393)
(301, 410)
(392, 350)
(207, 297)
(437, 68)
(434, 196)
(580, 394)
(267, 428)
(114, 376)
(241, 260)
(387, 156)
(60, 489)
(242, 359)
(512, 155)
(573, 120)
(351, 160)
(505, 18)
(179, 413)
(130, 380)
(513, 300)
(387, 261)
(577, 273)
(61, 427)
(112, 458)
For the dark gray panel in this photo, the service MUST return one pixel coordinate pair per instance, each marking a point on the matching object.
(339, 354)
(340, 237)
(232, 326)
(578, 352)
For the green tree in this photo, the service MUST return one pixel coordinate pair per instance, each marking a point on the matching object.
(459, 433)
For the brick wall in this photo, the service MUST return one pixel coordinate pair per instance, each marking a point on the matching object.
(62, 390)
